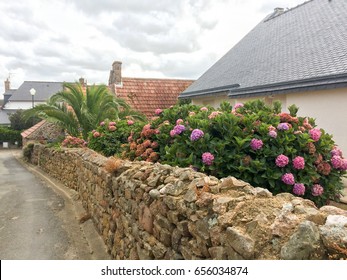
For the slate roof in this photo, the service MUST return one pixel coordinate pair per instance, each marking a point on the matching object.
(44, 90)
(302, 48)
(147, 95)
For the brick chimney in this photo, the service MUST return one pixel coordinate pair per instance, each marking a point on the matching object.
(115, 74)
(7, 85)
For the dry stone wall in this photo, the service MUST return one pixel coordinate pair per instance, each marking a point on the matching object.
(153, 211)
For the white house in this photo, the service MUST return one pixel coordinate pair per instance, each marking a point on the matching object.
(297, 56)
(29, 94)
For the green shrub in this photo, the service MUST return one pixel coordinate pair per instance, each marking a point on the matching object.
(109, 136)
(253, 142)
(10, 135)
(27, 151)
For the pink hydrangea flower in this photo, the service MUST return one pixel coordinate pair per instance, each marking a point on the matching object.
(336, 161)
(112, 124)
(271, 128)
(288, 178)
(130, 122)
(315, 134)
(179, 129)
(336, 152)
(283, 126)
(102, 123)
(154, 145)
(299, 162)
(256, 144)
(158, 111)
(299, 189)
(112, 128)
(196, 134)
(282, 160)
(343, 164)
(172, 133)
(238, 105)
(191, 114)
(207, 158)
(96, 134)
(179, 121)
(204, 109)
(273, 133)
(214, 114)
(317, 190)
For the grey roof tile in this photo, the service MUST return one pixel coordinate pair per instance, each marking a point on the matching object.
(305, 42)
(44, 90)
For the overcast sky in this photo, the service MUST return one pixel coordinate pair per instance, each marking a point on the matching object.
(63, 40)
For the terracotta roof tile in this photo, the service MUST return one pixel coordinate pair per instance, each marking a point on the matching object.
(147, 95)
(32, 129)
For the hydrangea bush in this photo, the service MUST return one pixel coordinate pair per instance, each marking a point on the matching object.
(73, 142)
(252, 141)
(109, 136)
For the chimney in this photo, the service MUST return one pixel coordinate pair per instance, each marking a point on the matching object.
(7, 85)
(116, 73)
(81, 80)
(278, 11)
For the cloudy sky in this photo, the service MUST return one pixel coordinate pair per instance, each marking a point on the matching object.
(63, 40)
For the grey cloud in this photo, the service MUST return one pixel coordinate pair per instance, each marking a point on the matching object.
(11, 50)
(45, 50)
(93, 7)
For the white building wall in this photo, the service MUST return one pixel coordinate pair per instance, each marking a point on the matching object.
(329, 108)
(21, 105)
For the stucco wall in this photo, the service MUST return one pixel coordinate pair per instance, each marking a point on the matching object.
(329, 107)
(153, 211)
(212, 101)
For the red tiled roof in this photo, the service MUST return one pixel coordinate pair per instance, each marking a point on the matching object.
(146, 95)
(32, 129)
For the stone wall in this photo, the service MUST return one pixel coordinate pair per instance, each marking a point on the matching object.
(43, 134)
(154, 211)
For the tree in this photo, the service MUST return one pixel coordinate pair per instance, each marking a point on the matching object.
(79, 112)
(18, 122)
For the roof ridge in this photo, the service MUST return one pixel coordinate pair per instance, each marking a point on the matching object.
(42, 82)
(273, 15)
(161, 79)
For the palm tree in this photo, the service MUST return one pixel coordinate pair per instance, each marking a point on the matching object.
(78, 112)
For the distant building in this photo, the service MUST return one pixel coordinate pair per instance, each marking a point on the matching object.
(143, 94)
(297, 56)
(21, 98)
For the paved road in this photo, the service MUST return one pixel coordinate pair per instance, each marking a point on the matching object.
(35, 221)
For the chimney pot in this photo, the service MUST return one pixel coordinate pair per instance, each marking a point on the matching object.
(7, 85)
(116, 73)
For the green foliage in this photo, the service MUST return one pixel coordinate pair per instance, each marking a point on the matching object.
(27, 151)
(79, 112)
(109, 136)
(10, 135)
(18, 122)
(246, 143)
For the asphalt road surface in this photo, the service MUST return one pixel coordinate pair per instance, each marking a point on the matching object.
(36, 221)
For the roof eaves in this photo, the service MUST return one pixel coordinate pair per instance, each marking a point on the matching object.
(208, 92)
(318, 83)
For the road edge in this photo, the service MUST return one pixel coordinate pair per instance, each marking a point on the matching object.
(97, 247)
